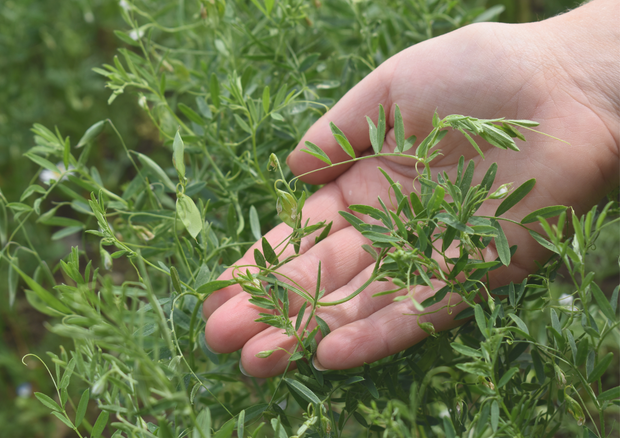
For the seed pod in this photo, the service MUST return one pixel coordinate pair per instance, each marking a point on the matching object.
(428, 327)
(501, 192)
(106, 258)
(264, 354)
(286, 206)
(574, 408)
(559, 375)
(274, 163)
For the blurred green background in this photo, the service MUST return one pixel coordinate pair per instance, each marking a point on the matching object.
(47, 52)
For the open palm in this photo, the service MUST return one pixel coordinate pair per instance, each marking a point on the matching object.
(484, 71)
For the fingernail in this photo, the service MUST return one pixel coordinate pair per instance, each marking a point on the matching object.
(243, 371)
(208, 346)
(316, 364)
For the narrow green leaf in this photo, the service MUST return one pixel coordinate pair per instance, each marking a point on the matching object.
(610, 394)
(266, 97)
(600, 368)
(269, 253)
(269, 6)
(539, 368)
(324, 233)
(473, 143)
(241, 424)
(34, 188)
(501, 243)
(42, 293)
(64, 419)
(409, 142)
(435, 200)
(317, 152)
(214, 89)
(46, 164)
(465, 350)
(381, 127)
(543, 242)
(449, 427)
(302, 390)
(278, 117)
(523, 123)
(342, 140)
(158, 171)
(259, 259)
(203, 424)
(519, 322)
(242, 123)
(68, 231)
(372, 132)
(481, 320)
(497, 137)
(178, 155)
(370, 385)
(212, 286)
(66, 377)
(322, 325)
(399, 130)
(494, 415)
(515, 197)
(176, 281)
(126, 38)
(13, 281)
(489, 177)
(66, 153)
(582, 351)
(308, 62)
(507, 376)
(467, 178)
(47, 401)
(189, 215)
(100, 424)
(191, 114)
(546, 212)
(81, 409)
(602, 302)
(255, 223)
(300, 315)
(345, 145)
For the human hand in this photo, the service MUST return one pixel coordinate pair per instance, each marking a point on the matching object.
(485, 71)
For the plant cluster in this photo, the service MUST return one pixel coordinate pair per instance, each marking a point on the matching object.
(229, 87)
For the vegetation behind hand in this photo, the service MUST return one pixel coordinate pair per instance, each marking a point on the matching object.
(225, 87)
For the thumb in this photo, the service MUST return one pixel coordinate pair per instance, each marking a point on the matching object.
(348, 115)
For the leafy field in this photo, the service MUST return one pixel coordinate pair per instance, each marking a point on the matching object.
(139, 146)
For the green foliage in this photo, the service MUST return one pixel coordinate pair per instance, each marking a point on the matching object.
(230, 87)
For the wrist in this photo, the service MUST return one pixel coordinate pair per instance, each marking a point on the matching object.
(584, 45)
(581, 58)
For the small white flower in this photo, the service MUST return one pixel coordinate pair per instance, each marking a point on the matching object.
(46, 175)
(24, 390)
(136, 34)
(566, 300)
(126, 6)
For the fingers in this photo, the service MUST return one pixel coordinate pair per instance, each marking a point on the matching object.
(341, 261)
(322, 206)
(391, 329)
(349, 115)
(363, 330)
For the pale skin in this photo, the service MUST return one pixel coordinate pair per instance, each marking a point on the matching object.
(562, 72)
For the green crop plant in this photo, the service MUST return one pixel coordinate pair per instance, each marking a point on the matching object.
(228, 88)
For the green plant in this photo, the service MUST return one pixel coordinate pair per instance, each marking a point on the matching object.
(229, 92)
